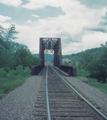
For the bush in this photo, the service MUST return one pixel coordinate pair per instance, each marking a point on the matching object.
(12, 79)
(3, 73)
(83, 73)
(101, 86)
(11, 75)
(26, 71)
(19, 70)
(23, 72)
(92, 80)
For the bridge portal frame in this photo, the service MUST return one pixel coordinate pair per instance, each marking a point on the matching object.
(53, 44)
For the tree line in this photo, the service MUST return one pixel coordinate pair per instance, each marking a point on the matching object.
(13, 54)
(91, 63)
(15, 60)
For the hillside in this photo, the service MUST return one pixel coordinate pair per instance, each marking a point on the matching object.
(48, 57)
(94, 51)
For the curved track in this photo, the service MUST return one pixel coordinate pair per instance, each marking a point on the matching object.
(63, 103)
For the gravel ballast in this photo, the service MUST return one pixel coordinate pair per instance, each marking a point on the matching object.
(92, 94)
(19, 103)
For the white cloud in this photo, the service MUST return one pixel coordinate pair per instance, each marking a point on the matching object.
(93, 39)
(38, 4)
(63, 26)
(4, 18)
(89, 40)
(29, 21)
(28, 36)
(14, 3)
(71, 25)
(36, 16)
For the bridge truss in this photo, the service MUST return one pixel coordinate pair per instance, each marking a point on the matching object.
(52, 44)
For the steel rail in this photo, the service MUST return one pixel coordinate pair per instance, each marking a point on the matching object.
(89, 105)
(47, 98)
(40, 72)
(61, 70)
(51, 74)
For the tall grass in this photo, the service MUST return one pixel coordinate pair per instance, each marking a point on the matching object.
(101, 86)
(83, 73)
(14, 78)
(92, 82)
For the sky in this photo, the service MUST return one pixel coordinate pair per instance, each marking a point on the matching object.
(81, 24)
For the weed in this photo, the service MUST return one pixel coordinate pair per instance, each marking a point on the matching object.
(13, 79)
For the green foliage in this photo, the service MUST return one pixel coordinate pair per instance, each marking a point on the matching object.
(73, 62)
(48, 57)
(7, 35)
(92, 63)
(15, 60)
(23, 72)
(13, 54)
(83, 73)
(101, 86)
(85, 60)
(24, 57)
(3, 73)
(19, 70)
(12, 79)
(65, 63)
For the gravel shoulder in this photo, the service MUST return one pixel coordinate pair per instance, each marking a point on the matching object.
(19, 103)
(95, 96)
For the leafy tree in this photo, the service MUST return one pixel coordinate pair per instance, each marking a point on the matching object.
(103, 63)
(65, 63)
(1, 32)
(85, 60)
(13, 54)
(8, 35)
(73, 61)
(24, 57)
(93, 62)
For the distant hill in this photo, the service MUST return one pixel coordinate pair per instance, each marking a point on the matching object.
(48, 57)
(95, 51)
(36, 55)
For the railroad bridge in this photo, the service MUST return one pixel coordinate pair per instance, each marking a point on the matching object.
(54, 45)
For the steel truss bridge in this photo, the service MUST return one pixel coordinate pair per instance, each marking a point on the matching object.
(54, 45)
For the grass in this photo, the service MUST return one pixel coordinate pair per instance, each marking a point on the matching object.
(93, 82)
(101, 86)
(82, 74)
(9, 85)
(12, 79)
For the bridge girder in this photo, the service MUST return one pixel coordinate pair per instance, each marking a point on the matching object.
(51, 44)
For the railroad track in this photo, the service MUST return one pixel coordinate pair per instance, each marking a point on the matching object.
(57, 100)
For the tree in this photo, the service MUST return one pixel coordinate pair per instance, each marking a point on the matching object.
(1, 32)
(25, 58)
(98, 67)
(85, 60)
(8, 35)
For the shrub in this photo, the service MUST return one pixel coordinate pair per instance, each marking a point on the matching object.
(3, 73)
(19, 70)
(12, 79)
(26, 71)
(11, 75)
(83, 73)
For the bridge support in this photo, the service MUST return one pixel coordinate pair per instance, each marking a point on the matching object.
(58, 54)
(55, 45)
(50, 43)
(41, 52)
